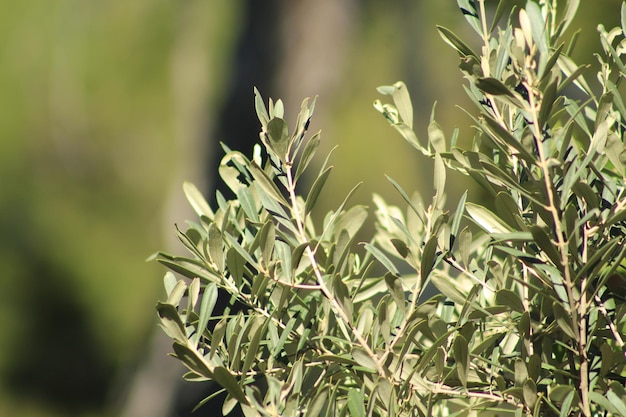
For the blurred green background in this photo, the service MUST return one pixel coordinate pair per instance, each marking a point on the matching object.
(106, 107)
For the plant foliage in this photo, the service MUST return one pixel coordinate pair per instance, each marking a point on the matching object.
(529, 317)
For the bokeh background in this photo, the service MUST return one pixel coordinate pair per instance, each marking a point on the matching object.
(106, 107)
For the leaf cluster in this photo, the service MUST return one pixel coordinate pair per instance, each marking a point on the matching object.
(529, 315)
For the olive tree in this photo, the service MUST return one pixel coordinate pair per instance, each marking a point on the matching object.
(529, 313)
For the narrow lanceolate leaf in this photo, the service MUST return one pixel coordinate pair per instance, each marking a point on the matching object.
(505, 135)
(543, 241)
(363, 359)
(316, 189)
(171, 322)
(197, 200)
(382, 258)
(394, 285)
(253, 347)
(402, 100)
(439, 176)
(261, 110)
(454, 41)
(209, 299)
(263, 181)
(529, 391)
(307, 154)
(169, 281)
(235, 264)
(223, 377)
(564, 320)
(193, 292)
(193, 360)
(486, 219)
(461, 358)
(278, 137)
(465, 245)
(509, 298)
(177, 293)
(458, 215)
(428, 257)
(493, 86)
(356, 402)
(448, 287)
(216, 246)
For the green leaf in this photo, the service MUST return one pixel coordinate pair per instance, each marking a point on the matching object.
(394, 285)
(428, 257)
(543, 241)
(223, 377)
(566, 405)
(461, 358)
(171, 322)
(617, 396)
(508, 211)
(278, 134)
(197, 200)
(493, 86)
(216, 246)
(231, 167)
(352, 220)
(193, 292)
(264, 182)
(356, 402)
(341, 293)
(537, 26)
(465, 245)
(509, 298)
(261, 110)
(622, 17)
(458, 215)
(382, 258)
(402, 101)
(253, 347)
(436, 137)
(209, 299)
(529, 391)
(319, 404)
(363, 359)
(247, 201)
(316, 189)
(448, 287)
(177, 293)
(603, 402)
(190, 358)
(439, 177)
(547, 101)
(454, 41)
(484, 218)
(571, 6)
(401, 247)
(502, 134)
(307, 154)
(169, 282)
(564, 320)
(468, 8)
(188, 267)
(235, 264)
(267, 236)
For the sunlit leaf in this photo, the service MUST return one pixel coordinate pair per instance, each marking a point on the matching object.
(486, 219)
(455, 42)
(316, 189)
(197, 200)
